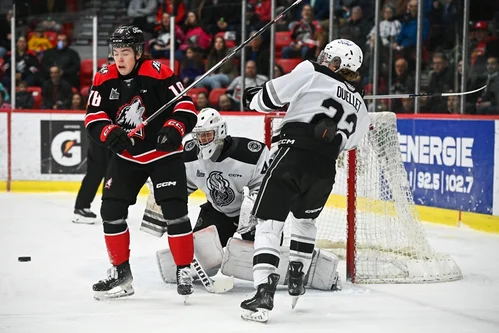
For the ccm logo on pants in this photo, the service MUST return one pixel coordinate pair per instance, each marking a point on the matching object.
(166, 184)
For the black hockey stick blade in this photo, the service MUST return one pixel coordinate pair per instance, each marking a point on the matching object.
(398, 96)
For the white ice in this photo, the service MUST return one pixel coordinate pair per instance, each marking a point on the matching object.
(52, 293)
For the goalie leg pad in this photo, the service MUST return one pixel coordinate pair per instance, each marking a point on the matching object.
(209, 253)
(152, 221)
(238, 260)
(322, 274)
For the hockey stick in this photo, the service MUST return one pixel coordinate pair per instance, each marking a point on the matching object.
(424, 95)
(212, 286)
(211, 70)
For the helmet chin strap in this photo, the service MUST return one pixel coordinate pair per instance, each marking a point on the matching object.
(217, 153)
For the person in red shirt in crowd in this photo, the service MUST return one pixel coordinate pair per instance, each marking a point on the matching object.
(176, 7)
(481, 32)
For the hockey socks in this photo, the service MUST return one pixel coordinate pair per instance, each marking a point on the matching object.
(117, 239)
(181, 241)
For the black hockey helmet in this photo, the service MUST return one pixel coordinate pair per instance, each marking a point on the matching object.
(127, 36)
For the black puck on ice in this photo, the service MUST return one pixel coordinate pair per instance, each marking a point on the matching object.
(24, 259)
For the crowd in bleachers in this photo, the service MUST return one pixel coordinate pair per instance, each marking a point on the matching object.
(49, 70)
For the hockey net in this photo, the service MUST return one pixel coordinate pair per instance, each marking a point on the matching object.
(370, 219)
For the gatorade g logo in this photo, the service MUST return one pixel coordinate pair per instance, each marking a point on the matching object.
(63, 147)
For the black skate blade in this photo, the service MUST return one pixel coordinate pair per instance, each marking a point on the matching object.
(259, 316)
(116, 292)
(294, 300)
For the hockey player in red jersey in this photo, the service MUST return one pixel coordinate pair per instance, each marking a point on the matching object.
(122, 96)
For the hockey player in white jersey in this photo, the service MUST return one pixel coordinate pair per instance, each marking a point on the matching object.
(326, 115)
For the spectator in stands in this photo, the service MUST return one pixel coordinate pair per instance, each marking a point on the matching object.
(482, 38)
(489, 102)
(203, 100)
(302, 34)
(6, 96)
(49, 25)
(357, 27)
(407, 39)
(160, 45)
(143, 13)
(24, 99)
(38, 42)
(5, 34)
(220, 16)
(454, 104)
(252, 19)
(441, 80)
(252, 79)
(171, 6)
(474, 81)
(262, 9)
(191, 67)
(77, 102)
(403, 81)
(27, 65)
(225, 103)
(3, 104)
(195, 36)
(56, 92)
(222, 75)
(321, 9)
(389, 28)
(259, 53)
(407, 106)
(278, 71)
(64, 57)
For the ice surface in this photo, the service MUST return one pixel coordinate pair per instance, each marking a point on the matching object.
(52, 293)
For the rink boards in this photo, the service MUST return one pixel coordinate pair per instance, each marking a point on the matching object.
(451, 161)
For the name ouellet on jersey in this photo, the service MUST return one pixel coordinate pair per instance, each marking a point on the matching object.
(128, 100)
(311, 89)
(244, 163)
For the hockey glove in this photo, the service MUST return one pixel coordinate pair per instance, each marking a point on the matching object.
(170, 136)
(116, 138)
(248, 95)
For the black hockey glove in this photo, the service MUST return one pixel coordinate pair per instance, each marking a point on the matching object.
(248, 95)
(116, 138)
(170, 136)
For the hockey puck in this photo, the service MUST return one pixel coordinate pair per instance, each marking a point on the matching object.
(24, 259)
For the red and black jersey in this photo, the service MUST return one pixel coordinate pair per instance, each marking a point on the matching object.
(128, 100)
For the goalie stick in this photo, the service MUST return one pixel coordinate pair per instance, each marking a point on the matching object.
(211, 70)
(371, 97)
(220, 285)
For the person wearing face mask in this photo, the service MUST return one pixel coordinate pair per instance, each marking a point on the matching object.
(65, 58)
(122, 96)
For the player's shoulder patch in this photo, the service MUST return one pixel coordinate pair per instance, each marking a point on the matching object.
(190, 151)
(105, 73)
(246, 150)
(155, 69)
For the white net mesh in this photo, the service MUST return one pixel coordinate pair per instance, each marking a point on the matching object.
(390, 243)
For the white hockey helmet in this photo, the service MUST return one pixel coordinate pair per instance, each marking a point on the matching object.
(350, 54)
(209, 132)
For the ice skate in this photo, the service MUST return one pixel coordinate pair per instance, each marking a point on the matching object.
(118, 283)
(84, 216)
(184, 282)
(257, 308)
(296, 285)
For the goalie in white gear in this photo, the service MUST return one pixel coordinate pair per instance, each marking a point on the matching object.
(326, 115)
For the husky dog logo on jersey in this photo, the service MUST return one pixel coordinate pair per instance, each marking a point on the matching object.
(131, 115)
(220, 189)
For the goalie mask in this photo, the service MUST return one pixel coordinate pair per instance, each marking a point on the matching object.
(343, 53)
(209, 133)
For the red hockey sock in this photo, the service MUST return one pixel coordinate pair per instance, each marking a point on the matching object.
(118, 247)
(182, 248)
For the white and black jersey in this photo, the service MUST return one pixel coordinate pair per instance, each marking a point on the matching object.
(312, 89)
(243, 162)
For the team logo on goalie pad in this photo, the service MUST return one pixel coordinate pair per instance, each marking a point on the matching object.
(220, 190)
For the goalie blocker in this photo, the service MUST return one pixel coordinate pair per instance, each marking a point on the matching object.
(237, 261)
